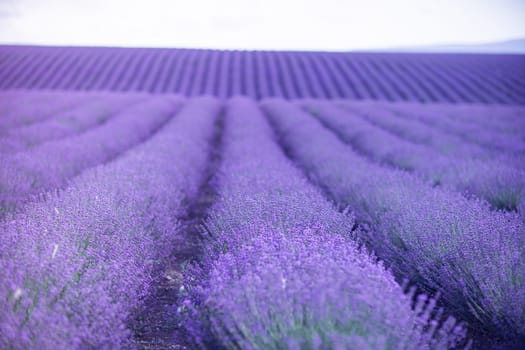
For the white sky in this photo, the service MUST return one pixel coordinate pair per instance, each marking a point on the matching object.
(261, 24)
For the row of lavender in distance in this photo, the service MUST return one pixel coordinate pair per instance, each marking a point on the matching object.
(49, 166)
(436, 237)
(503, 186)
(19, 108)
(76, 265)
(414, 131)
(448, 78)
(490, 138)
(66, 123)
(497, 118)
(507, 119)
(417, 131)
(280, 269)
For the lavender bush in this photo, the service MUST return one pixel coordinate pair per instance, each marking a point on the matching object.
(491, 139)
(70, 122)
(101, 195)
(415, 131)
(19, 108)
(436, 237)
(501, 185)
(75, 265)
(280, 269)
(500, 118)
(50, 165)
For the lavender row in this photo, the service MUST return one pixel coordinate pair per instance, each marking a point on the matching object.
(280, 269)
(505, 119)
(485, 137)
(501, 185)
(19, 108)
(438, 238)
(66, 123)
(259, 74)
(413, 130)
(418, 132)
(25, 174)
(76, 266)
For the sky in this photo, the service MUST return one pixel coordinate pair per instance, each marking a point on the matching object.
(335, 25)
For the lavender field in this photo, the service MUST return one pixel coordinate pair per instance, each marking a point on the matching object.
(445, 78)
(261, 200)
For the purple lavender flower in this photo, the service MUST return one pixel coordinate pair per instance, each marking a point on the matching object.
(49, 166)
(503, 186)
(69, 122)
(76, 264)
(281, 269)
(20, 108)
(473, 132)
(436, 237)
